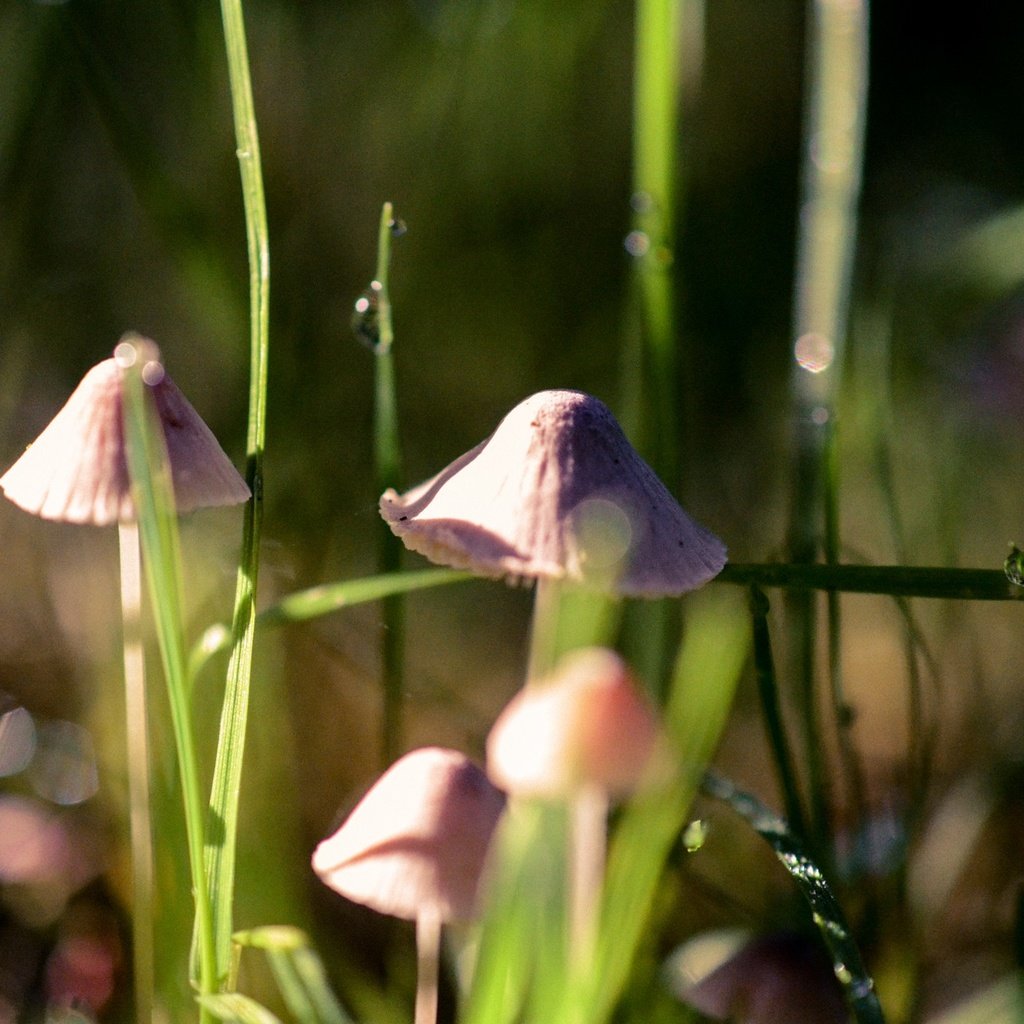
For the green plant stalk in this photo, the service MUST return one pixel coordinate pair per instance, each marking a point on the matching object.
(768, 691)
(153, 494)
(652, 412)
(387, 469)
(711, 658)
(231, 741)
(888, 580)
(137, 750)
(834, 133)
(655, 116)
(324, 599)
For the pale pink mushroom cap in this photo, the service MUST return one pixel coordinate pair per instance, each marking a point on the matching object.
(585, 724)
(76, 470)
(557, 492)
(417, 842)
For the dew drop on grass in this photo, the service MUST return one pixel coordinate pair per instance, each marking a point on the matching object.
(397, 227)
(695, 835)
(1014, 566)
(843, 974)
(17, 741)
(637, 243)
(365, 317)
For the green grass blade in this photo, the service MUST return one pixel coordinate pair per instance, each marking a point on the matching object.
(299, 973)
(231, 743)
(521, 959)
(235, 1008)
(828, 915)
(153, 493)
(325, 598)
(892, 580)
(711, 658)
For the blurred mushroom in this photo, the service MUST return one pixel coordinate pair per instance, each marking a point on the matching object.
(770, 979)
(76, 471)
(585, 734)
(414, 847)
(558, 493)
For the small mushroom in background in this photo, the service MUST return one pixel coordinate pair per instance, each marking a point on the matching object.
(585, 734)
(76, 471)
(415, 847)
(557, 494)
(767, 979)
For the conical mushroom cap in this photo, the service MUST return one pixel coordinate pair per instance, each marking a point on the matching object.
(76, 470)
(557, 492)
(586, 724)
(417, 842)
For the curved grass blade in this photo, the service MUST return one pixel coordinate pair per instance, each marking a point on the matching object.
(299, 973)
(828, 915)
(235, 1008)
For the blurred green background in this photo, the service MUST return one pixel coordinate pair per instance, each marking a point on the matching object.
(501, 130)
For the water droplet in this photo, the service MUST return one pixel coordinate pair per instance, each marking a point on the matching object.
(64, 768)
(397, 227)
(17, 741)
(637, 243)
(365, 316)
(695, 835)
(814, 352)
(153, 373)
(862, 988)
(843, 973)
(1014, 566)
(641, 202)
(125, 353)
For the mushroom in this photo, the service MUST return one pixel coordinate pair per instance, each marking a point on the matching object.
(557, 493)
(767, 979)
(587, 735)
(415, 847)
(76, 472)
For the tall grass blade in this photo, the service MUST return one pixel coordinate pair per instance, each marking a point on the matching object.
(227, 776)
(153, 495)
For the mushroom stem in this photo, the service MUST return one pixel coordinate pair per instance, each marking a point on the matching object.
(137, 747)
(544, 628)
(428, 959)
(567, 616)
(587, 843)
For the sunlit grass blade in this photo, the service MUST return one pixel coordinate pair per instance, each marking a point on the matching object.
(828, 915)
(153, 494)
(234, 1008)
(387, 459)
(326, 598)
(299, 973)
(521, 959)
(714, 650)
(227, 775)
